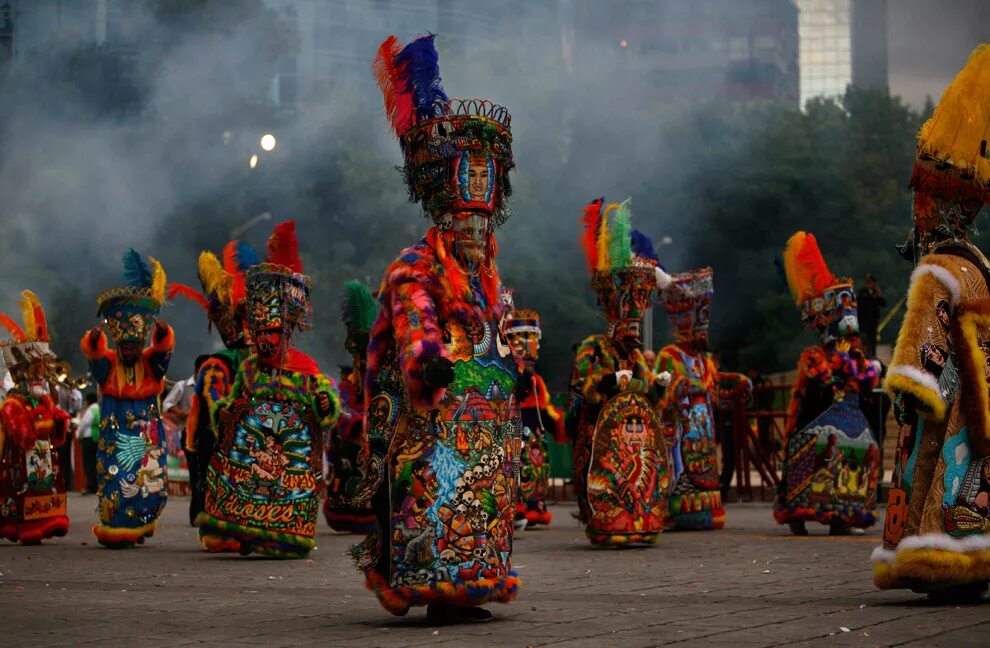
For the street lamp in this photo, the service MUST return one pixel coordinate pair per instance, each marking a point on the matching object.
(253, 161)
(268, 142)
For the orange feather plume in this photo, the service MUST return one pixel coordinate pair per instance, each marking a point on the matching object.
(12, 327)
(35, 315)
(807, 273)
(189, 293)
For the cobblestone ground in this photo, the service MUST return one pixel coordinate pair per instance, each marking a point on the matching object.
(750, 584)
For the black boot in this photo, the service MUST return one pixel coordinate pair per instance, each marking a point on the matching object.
(444, 614)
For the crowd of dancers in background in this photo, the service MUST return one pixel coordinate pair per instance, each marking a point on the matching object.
(433, 446)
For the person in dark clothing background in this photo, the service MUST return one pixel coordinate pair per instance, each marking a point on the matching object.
(870, 300)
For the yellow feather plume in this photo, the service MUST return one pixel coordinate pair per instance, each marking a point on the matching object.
(27, 315)
(604, 263)
(214, 278)
(958, 130)
(158, 280)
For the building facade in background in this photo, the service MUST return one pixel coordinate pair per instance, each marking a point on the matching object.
(694, 49)
(843, 42)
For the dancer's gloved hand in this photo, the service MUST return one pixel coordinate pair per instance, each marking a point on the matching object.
(161, 331)
(663, 378)
(438, 372)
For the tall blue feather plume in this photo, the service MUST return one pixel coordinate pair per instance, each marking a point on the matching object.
(137, 272)
(421, 67)
(247, 256)
(642, 246)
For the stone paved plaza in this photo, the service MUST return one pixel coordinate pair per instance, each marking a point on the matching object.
(750, 584)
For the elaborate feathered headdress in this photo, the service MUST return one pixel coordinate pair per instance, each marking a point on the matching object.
(951, 175)
(280, 277)
(128, 310)
(359, 310)
(823, 299)
(446, 142)
(29, 342)
(619, 258)
(687, 299)
(223, 289)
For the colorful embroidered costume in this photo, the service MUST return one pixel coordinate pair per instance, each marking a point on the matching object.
(344, 445)
(442, 415)
(688, 406)
(621, 467)
(131, 456)
(832, 460)
(937, 533)
(223, 299)
(263, 482)
(539, 416)
(32, 490)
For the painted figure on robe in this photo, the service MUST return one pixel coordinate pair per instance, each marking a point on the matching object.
(936, 538)
(688, 406)
(442, 419)
(32, 426)
(621, 463)
(829, 444)
(264, 480)
(131, 456)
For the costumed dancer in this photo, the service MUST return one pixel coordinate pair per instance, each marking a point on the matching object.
(131, 456)
(831, 457)
(688, 406)
(345, 442)
(224, 300)
(937, 534)
(621, 467)
(442, 415)
(32, 489)
(539, 416)
(263, 482)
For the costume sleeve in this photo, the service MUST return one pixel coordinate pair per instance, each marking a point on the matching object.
(326, 401)
(549, 413)
(62, 422)
(213, 382)
(232, 394)
(591, 366)
(99, 356)
(418, 338)
(159, 353)
(733, 387)
(923, 344)
(16, 423)
(812, 366)
(677, 388)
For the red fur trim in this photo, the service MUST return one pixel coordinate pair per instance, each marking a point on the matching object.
(486, 590)
(15, 420)
(34, 531)
(119, 536)
(189, 293)
(947, 183)
(283, 246)
(298, 362)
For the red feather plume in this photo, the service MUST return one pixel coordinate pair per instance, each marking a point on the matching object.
(592, 220)
(283, 247)
(397, 93)
(233, 268)
(189, 293)
(40, 322)
(12, 327)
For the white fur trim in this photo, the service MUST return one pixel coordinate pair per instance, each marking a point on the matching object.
(919, 376)
(663, 279)
(945, 542)
(881, 555)
(942, 275)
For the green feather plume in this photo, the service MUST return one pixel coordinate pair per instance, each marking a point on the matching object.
(360, 307)
(620, 241)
